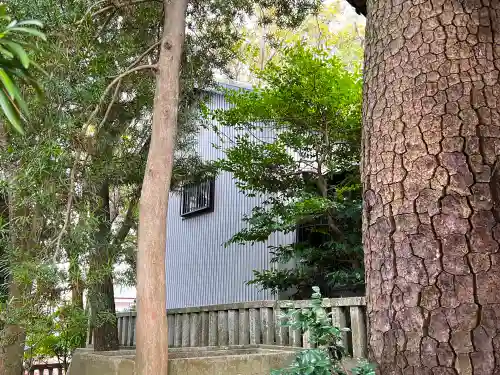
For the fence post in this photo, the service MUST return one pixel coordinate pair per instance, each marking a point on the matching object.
(124, 335)
(204, 328)
(339, 320)
(281, 331)
(244, 327)
(178, 330)
(267, 324)
(295, 337)
(212, 328)
(232, 326)
(223, 332)
(195, 330)
(254, 326)
(171, 328)
(185, 330)
(358, 328)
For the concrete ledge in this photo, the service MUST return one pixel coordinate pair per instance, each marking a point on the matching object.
(233, 360)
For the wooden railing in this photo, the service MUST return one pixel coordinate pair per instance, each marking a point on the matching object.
(46, 369)
(251, 323)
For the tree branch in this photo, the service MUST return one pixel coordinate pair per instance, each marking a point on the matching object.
(110, 86)
(90, 10)
(128, 220)
(69, 203)
(110, 105)
(119, 6)
(69, 206)
(144, 54)
(105, 24)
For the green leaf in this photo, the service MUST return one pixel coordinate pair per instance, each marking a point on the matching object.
(6, 53)
(19, 52)
(8, 84)
(10, 112)
(30, 22)
(31, 31)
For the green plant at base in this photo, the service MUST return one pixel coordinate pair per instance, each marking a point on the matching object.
(326, 356)
(363, 368)
(64, 331)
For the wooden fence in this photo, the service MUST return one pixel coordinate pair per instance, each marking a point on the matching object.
(251, 323)
(46, 369)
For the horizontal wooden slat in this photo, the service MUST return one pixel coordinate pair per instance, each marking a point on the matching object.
(327, 302)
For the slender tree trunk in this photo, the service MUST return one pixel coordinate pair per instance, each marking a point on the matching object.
(76, 282)
(431, 173)
(12, 336)
(152, 338)
(101, 289)
(24, 240)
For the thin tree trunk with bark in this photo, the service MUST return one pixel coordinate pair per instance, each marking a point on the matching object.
(152, 337)
(102, 298)
(431, 174)
(12, 336)
(76, 281)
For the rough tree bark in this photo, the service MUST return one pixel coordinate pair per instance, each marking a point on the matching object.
(152, 338)
(431, 171)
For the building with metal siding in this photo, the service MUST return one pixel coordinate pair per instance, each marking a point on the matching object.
(200, 269)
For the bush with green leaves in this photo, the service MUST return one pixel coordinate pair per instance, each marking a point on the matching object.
(325, 357)
(56, 336)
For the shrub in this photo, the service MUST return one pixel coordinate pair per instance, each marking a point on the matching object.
(325, 358)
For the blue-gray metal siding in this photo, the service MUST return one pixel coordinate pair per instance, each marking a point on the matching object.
(200, 270)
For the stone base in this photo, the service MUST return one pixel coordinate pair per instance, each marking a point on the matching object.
(234, 360)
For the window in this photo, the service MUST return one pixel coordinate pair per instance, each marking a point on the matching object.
(197, 198)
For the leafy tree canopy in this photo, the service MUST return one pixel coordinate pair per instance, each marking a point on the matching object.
(297, 146)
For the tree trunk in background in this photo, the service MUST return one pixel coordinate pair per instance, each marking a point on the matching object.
(151, 333)
(105, 331)
(102, 298)
(12, 336)
(431, 173)
(76, 282)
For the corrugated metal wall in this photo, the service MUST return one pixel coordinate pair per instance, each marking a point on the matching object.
(200, 270)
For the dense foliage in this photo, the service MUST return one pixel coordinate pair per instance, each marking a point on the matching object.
(57, 336)
(73, 180)
(297, 146)
(70, 186)
(327, 353)
(335, 26)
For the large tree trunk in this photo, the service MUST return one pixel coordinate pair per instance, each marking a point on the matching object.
(431, 171)
(102, 301)
(152, 338)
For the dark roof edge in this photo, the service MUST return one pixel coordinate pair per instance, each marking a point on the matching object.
(359, 5)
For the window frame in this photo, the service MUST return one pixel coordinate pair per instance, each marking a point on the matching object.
(201, 210)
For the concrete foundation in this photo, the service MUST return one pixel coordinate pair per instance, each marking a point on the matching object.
(233, 360)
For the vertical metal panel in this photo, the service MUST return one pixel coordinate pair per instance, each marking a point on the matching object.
(200, 269)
